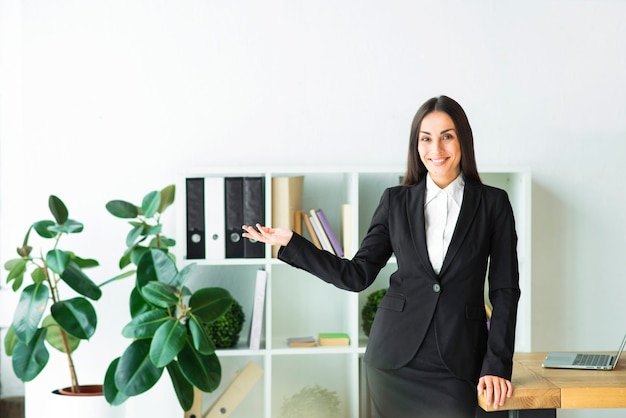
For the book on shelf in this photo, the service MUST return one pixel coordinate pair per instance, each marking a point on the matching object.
(297, 222)
(333, 339)
(346, 230)
(309, 227)
(236, 392)
(334, 242)
(319, 231)
(286, 200)
(301, 342)
(256, 324)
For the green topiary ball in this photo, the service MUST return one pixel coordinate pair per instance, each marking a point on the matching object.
(225, 331)
(369, 309)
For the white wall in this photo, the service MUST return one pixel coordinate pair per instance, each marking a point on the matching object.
(111, 99)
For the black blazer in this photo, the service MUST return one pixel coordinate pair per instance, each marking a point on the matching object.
(484, 238)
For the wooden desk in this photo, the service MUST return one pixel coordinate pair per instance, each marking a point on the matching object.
(538, 392)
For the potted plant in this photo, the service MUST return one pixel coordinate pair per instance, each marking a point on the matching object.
(368, 313)
(226, 330)
(55, 304)
(169, 322)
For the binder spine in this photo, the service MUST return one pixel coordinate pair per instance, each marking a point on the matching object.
(253, 213)
(195, 218)
(214, 218)
(234, 216)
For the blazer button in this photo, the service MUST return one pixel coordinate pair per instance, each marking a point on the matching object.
(436, 288)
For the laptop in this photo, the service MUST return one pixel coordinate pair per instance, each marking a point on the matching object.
(585, 361)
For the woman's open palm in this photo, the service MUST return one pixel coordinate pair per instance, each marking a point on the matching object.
(270, 236)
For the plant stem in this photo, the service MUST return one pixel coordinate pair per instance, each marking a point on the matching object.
(70, 361)
(52, 282)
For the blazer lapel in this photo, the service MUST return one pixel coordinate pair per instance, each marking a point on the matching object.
(471, 201)
(417, 223)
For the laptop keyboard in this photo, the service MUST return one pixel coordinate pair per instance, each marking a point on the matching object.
(592, 359)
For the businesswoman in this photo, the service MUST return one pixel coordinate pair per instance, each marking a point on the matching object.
(429, 350)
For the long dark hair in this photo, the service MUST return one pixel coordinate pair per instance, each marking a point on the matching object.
(416, 170)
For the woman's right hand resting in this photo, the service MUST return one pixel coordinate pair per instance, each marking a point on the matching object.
(271, 236)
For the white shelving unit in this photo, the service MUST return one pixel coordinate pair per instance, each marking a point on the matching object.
(297, 304)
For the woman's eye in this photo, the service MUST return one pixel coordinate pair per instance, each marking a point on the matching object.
(447, 137)
(424, 139)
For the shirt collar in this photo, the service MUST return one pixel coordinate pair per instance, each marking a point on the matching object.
(454, 189)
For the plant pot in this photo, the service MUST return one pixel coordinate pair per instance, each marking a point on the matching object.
(86, 390)
(89, 402)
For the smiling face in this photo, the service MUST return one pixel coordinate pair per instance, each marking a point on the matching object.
(439, 148)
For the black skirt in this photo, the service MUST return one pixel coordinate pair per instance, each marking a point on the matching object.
(424, 388)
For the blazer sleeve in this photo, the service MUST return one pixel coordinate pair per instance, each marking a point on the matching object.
(504, 291)
(355, 274)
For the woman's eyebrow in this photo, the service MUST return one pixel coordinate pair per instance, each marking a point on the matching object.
(443, 132)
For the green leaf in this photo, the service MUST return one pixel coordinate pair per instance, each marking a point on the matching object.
(25, 249)
(80, 282)
(200, 337)
(183, 389)
(58, 209)
(155, 265)
(69, 227)
(111, 393)
(17, 268)
(84, 263)
(159, 294)
(30, 359)
(146, 324)
(167, 342)
(136, 253)
(138, 304)
(42, 229)
(30, 310)
(10, 340)
(54, 336)
(133, 236)
(168, 194)
(122, 209)
(154, 229)
(150, 204)
(210, 303)
(118, 277)
(38, 275)
(185, 274)
(135, 372)
(125, 259)
(57, 260)
(203, 372)
(165, 242)
(76, 316)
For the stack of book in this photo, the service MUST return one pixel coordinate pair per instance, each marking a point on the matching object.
(321, 233)
(333, 338)
(324, 339)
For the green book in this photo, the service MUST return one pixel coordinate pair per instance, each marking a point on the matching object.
(334, 338)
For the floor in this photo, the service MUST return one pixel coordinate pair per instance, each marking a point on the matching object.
(12, 407)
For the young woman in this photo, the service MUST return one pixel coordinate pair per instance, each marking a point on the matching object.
(429, 350)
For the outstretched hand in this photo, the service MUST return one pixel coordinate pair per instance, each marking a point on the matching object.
(496, 390)
(267, 235)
